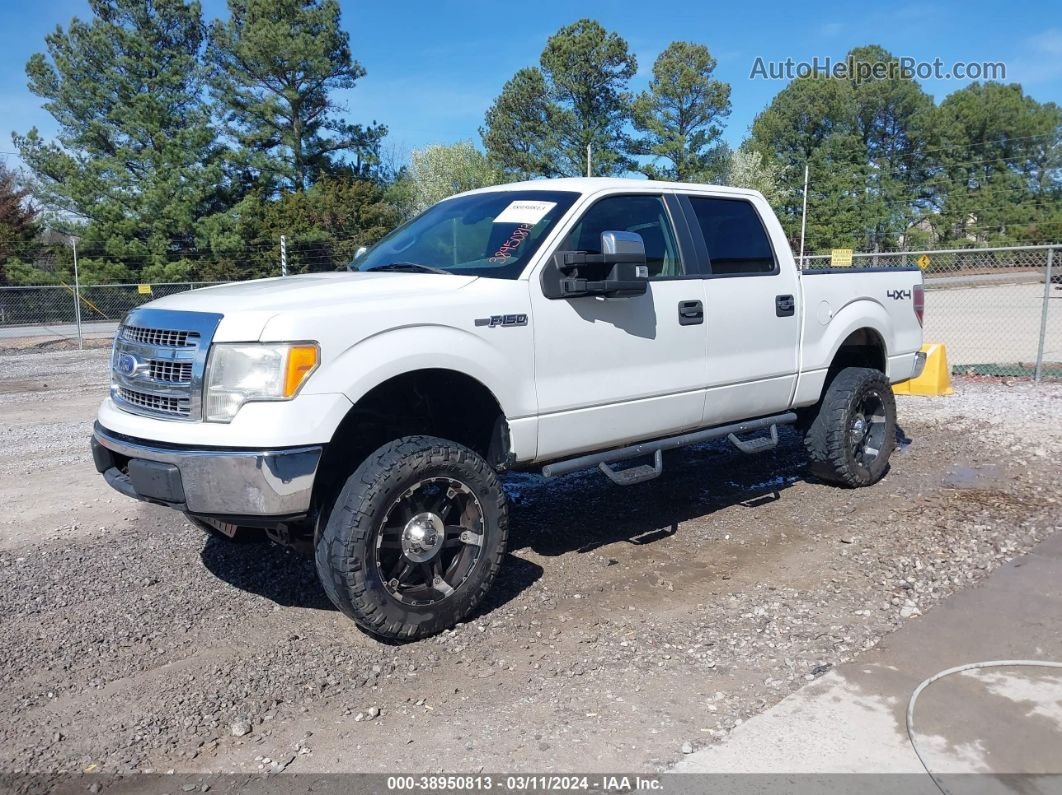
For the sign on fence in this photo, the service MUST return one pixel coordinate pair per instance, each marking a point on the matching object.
(841, 258)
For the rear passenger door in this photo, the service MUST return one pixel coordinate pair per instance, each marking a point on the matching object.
(751, 310)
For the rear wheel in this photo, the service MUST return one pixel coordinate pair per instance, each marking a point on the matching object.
(851, 437)
(415, 538)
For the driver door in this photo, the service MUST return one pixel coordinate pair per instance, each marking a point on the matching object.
(615, 370)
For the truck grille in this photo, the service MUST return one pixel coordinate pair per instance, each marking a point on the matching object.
(180, 407)
(158, 362)
(165, 338)
(171, 372)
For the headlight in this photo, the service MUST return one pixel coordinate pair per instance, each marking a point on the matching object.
(240, 373)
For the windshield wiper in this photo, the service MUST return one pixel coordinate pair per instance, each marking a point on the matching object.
(408, 267)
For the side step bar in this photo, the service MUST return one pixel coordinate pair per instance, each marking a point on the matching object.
(656, 447)
(628, 477)
(758, 445)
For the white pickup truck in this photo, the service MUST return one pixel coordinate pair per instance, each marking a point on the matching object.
(553, 325)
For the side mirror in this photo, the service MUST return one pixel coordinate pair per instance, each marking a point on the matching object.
(618, 271)
(360, 252)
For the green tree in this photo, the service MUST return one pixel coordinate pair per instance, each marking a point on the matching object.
(812, 122)
(18, 222)
(276, 67)
(135, 155)
(587, 69)
(437, 172)
(681, 116)
(892, 120)
(545, 118)
(997, 154)
(323, 226)
(518, 131)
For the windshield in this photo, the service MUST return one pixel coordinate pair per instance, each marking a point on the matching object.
(490, 234)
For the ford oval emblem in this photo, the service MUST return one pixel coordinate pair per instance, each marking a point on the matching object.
(127, 364)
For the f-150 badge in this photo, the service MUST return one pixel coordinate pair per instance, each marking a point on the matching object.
(502, 320)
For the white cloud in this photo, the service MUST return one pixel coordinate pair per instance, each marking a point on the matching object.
(1041, 61)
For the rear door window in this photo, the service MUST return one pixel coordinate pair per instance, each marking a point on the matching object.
(735, 236)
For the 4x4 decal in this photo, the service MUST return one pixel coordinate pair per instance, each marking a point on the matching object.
(898, 295)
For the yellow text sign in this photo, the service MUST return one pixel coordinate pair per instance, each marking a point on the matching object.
(841, 258)
(144, 289)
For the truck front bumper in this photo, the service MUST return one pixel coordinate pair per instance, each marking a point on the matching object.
(237, 484)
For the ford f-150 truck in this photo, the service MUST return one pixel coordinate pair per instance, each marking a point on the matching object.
(555, 325)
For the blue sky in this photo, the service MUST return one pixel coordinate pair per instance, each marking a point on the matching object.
(434, 67)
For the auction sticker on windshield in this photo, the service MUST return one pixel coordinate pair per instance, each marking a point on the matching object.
(524, 211)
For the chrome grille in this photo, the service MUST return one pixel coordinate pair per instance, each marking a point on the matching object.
(166, 338)
(181, 407)
(159, 360)
(170, 372)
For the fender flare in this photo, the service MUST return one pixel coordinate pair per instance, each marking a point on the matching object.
(425, 346)
(860, 313)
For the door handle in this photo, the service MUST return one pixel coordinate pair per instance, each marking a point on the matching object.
(691, 313)
(784, 305)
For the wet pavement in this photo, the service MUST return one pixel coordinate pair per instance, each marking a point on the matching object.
(999, 719)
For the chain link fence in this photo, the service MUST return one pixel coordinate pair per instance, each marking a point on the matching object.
(997, 310)
(50, 316)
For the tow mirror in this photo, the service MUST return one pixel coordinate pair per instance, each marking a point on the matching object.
(351, 266)
(618, 271)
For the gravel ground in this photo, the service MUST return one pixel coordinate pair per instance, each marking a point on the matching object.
(628, 626)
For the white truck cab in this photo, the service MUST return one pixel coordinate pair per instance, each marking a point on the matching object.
(555, 325)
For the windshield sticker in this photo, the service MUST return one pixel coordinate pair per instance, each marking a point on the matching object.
(508, 249)
(524, 211)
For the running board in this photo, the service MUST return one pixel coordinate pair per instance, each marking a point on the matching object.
(657, 446)
(758, 445)
(632, 475)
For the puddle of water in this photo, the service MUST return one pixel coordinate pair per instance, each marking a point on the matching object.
(967, 477)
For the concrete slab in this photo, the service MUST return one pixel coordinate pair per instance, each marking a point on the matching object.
(1001, 720)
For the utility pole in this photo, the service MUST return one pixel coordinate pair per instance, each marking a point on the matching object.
(283, 255)
(804, 217)
(589, 170)
(77, 298)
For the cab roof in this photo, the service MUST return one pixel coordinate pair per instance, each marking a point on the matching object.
(588, 185)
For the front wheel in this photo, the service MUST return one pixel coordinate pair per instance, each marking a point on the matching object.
(415, 538)
(854, 431)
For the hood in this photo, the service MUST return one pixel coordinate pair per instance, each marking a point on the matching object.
(310, 290)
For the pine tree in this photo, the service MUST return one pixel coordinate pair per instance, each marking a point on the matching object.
(811, 121)
(997, 154)
(276, 67)
(135, 155)
(681, 116)
(518, 132)
(545, 118)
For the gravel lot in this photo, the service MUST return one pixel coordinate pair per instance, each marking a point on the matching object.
(628, 626)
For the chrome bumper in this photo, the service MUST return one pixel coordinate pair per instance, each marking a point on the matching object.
(920, 364)
(213, 482)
